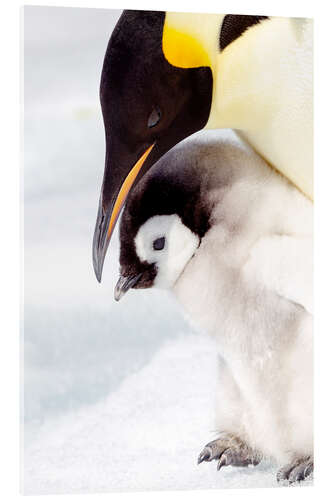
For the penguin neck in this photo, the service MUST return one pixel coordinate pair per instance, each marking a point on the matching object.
(191, 40)
(246, 73)
(246, 76)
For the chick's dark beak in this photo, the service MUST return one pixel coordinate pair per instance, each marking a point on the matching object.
(107, 215)
(124, 284)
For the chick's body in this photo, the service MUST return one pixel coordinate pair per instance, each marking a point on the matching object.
(249, 286)
(247, 283)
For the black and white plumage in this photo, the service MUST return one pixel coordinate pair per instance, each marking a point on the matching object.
(234, 244)
(167, 75)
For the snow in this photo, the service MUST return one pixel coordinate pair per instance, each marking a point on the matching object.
(144, 436)
(116, 396)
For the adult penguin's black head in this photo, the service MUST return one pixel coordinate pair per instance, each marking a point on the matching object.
(148, 106)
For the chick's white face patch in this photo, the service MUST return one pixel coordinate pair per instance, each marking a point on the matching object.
(180, 245)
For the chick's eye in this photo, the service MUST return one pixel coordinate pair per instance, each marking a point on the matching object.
(154, 117)
(159, 243)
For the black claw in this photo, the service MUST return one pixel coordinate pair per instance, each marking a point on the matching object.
(205, 455)
(222, 462)
(296, 477)
(308, 470)
(228, 450)
(295, 472)
(284, 473)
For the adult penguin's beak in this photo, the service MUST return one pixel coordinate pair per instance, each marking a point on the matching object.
(108, 213)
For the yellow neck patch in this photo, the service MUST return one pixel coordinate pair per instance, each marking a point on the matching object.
(183, 50)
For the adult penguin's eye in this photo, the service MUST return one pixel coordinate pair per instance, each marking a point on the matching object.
(154, 117)
(159, 243)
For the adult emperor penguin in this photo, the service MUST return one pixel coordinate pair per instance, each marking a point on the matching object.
(167, 75)
(232, 239)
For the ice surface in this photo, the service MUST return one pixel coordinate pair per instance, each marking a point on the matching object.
(144, 436)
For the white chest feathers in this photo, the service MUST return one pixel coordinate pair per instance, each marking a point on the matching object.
(177, 246)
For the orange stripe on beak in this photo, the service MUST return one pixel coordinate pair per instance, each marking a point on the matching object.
(124, 190)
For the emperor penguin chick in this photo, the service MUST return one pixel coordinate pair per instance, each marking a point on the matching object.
(234, 244)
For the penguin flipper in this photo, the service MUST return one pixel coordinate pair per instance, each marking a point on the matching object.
(283, 264)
